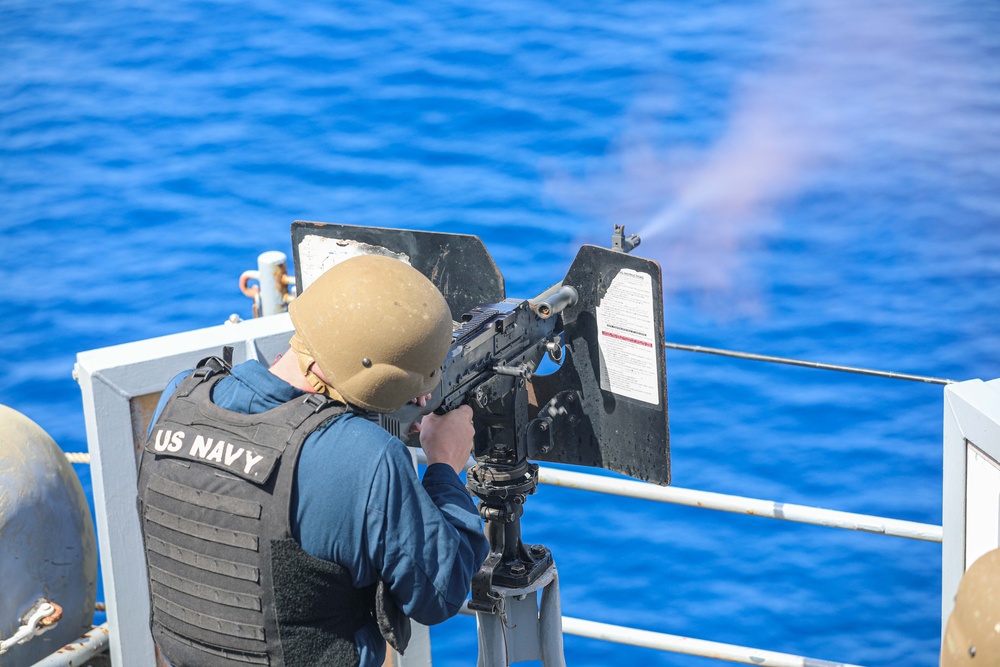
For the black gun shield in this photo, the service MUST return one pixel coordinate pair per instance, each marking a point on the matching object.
(458, 264)
(617, 365)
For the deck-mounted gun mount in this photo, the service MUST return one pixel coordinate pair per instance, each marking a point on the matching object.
(605, 405)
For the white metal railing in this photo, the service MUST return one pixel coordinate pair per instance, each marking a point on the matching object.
(726, 503)
(79, 652)
(676, 644)
(689, 646)
(721, 502)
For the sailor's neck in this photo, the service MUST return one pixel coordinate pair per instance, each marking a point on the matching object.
(287, 368)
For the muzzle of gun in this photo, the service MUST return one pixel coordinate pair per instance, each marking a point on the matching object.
(555, 300)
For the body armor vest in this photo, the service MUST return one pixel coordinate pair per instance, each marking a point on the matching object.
(228, 583)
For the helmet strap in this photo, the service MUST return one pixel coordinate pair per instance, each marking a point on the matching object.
(306, 363)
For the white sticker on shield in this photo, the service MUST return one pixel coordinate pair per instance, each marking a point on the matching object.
(318, 254)
(626, 337)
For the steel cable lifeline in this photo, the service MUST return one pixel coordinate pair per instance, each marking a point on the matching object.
(808, 364)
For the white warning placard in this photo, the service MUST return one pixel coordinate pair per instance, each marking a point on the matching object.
(627, 337)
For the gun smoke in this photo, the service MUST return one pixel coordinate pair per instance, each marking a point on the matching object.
(845, 86)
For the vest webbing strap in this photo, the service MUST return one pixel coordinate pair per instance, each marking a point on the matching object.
(206, 369)
(232, 538)
(204, 591)
(204, 635)
(214, 501)
(214, 565)
(248, 657)
(222, 626)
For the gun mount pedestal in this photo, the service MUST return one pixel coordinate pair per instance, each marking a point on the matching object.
(502, 490)
(513, 626)
(524, 628)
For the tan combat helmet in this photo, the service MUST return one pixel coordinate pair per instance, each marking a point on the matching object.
(378, 329)
(972, 636)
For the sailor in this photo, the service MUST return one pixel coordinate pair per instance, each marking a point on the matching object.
(281, 526)
(972, 634)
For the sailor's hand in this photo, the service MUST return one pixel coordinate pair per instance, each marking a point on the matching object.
(447, 438)
(422, 402)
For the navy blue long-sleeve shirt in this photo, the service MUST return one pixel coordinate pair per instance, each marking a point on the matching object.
(358, 502)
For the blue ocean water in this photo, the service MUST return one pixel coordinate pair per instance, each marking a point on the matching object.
(818, 180)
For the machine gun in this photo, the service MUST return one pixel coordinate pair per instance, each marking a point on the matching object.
(604, 406)
(494, 353)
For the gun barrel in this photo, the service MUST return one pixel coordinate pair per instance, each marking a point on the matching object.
(555, 302)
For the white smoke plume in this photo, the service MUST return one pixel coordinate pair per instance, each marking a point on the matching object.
(854, 80)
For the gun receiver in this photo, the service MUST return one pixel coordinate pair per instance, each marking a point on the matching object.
(494, 353)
